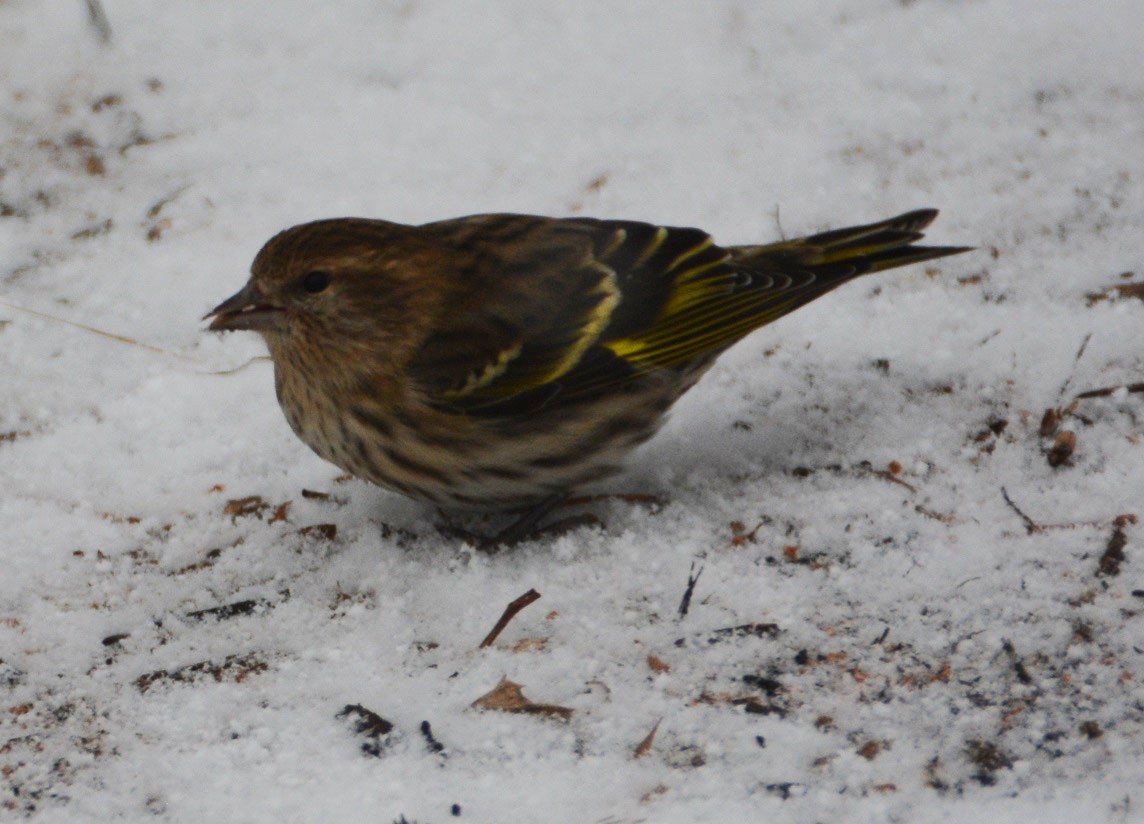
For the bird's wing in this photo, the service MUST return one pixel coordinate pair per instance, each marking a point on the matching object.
(707, 298)
(526, 300)
(576, 306)
(568, 306)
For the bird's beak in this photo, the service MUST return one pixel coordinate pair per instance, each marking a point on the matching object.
(248, 310)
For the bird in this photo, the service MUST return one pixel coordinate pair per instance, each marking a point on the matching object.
(500, 362)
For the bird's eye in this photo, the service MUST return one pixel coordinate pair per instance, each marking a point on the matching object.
(316, 281)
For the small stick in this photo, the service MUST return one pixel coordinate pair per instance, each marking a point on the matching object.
(1076, 360)
(1110, 390)
(692, 580)
(509, 613)
(99, 21)
(1031, 526)
(886, 476)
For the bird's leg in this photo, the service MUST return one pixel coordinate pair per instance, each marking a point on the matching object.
(527, 525)
(523, 526)
(626, 497)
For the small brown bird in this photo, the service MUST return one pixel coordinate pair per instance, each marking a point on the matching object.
(501, 361)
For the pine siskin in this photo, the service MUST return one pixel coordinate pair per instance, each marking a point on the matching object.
(501, 361)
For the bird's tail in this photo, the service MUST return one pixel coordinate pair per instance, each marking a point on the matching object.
(716, 302)
(841, 254)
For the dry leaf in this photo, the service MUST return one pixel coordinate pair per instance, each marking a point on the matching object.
(326, 532)
(644, 746)
(508, 696)
(1062, 448)
(250, 505)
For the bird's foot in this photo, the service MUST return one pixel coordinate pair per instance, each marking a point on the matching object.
(528, 527)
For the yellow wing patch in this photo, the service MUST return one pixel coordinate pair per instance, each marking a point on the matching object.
(609, 291)
(656, 241)
(683, 327)
(513, 371)
(487, 375)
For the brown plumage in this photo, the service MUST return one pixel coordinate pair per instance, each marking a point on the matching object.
(500, 361)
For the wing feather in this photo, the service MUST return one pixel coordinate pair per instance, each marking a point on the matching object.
(551, 308)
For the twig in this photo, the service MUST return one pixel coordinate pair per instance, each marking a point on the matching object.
(1031, 526)
(865, 468)
(509, 613)
(888, 476)
(99, 21)
(937, 516)
(1110, 390)
(692, 580)
(1083, 346)
(1076, 360)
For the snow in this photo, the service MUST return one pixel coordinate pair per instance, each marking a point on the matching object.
(917, 647)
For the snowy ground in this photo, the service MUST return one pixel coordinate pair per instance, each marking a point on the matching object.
(933, 622)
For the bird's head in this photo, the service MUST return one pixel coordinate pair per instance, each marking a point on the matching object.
(346, 284)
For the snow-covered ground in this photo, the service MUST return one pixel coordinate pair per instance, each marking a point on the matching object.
(904, 613)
